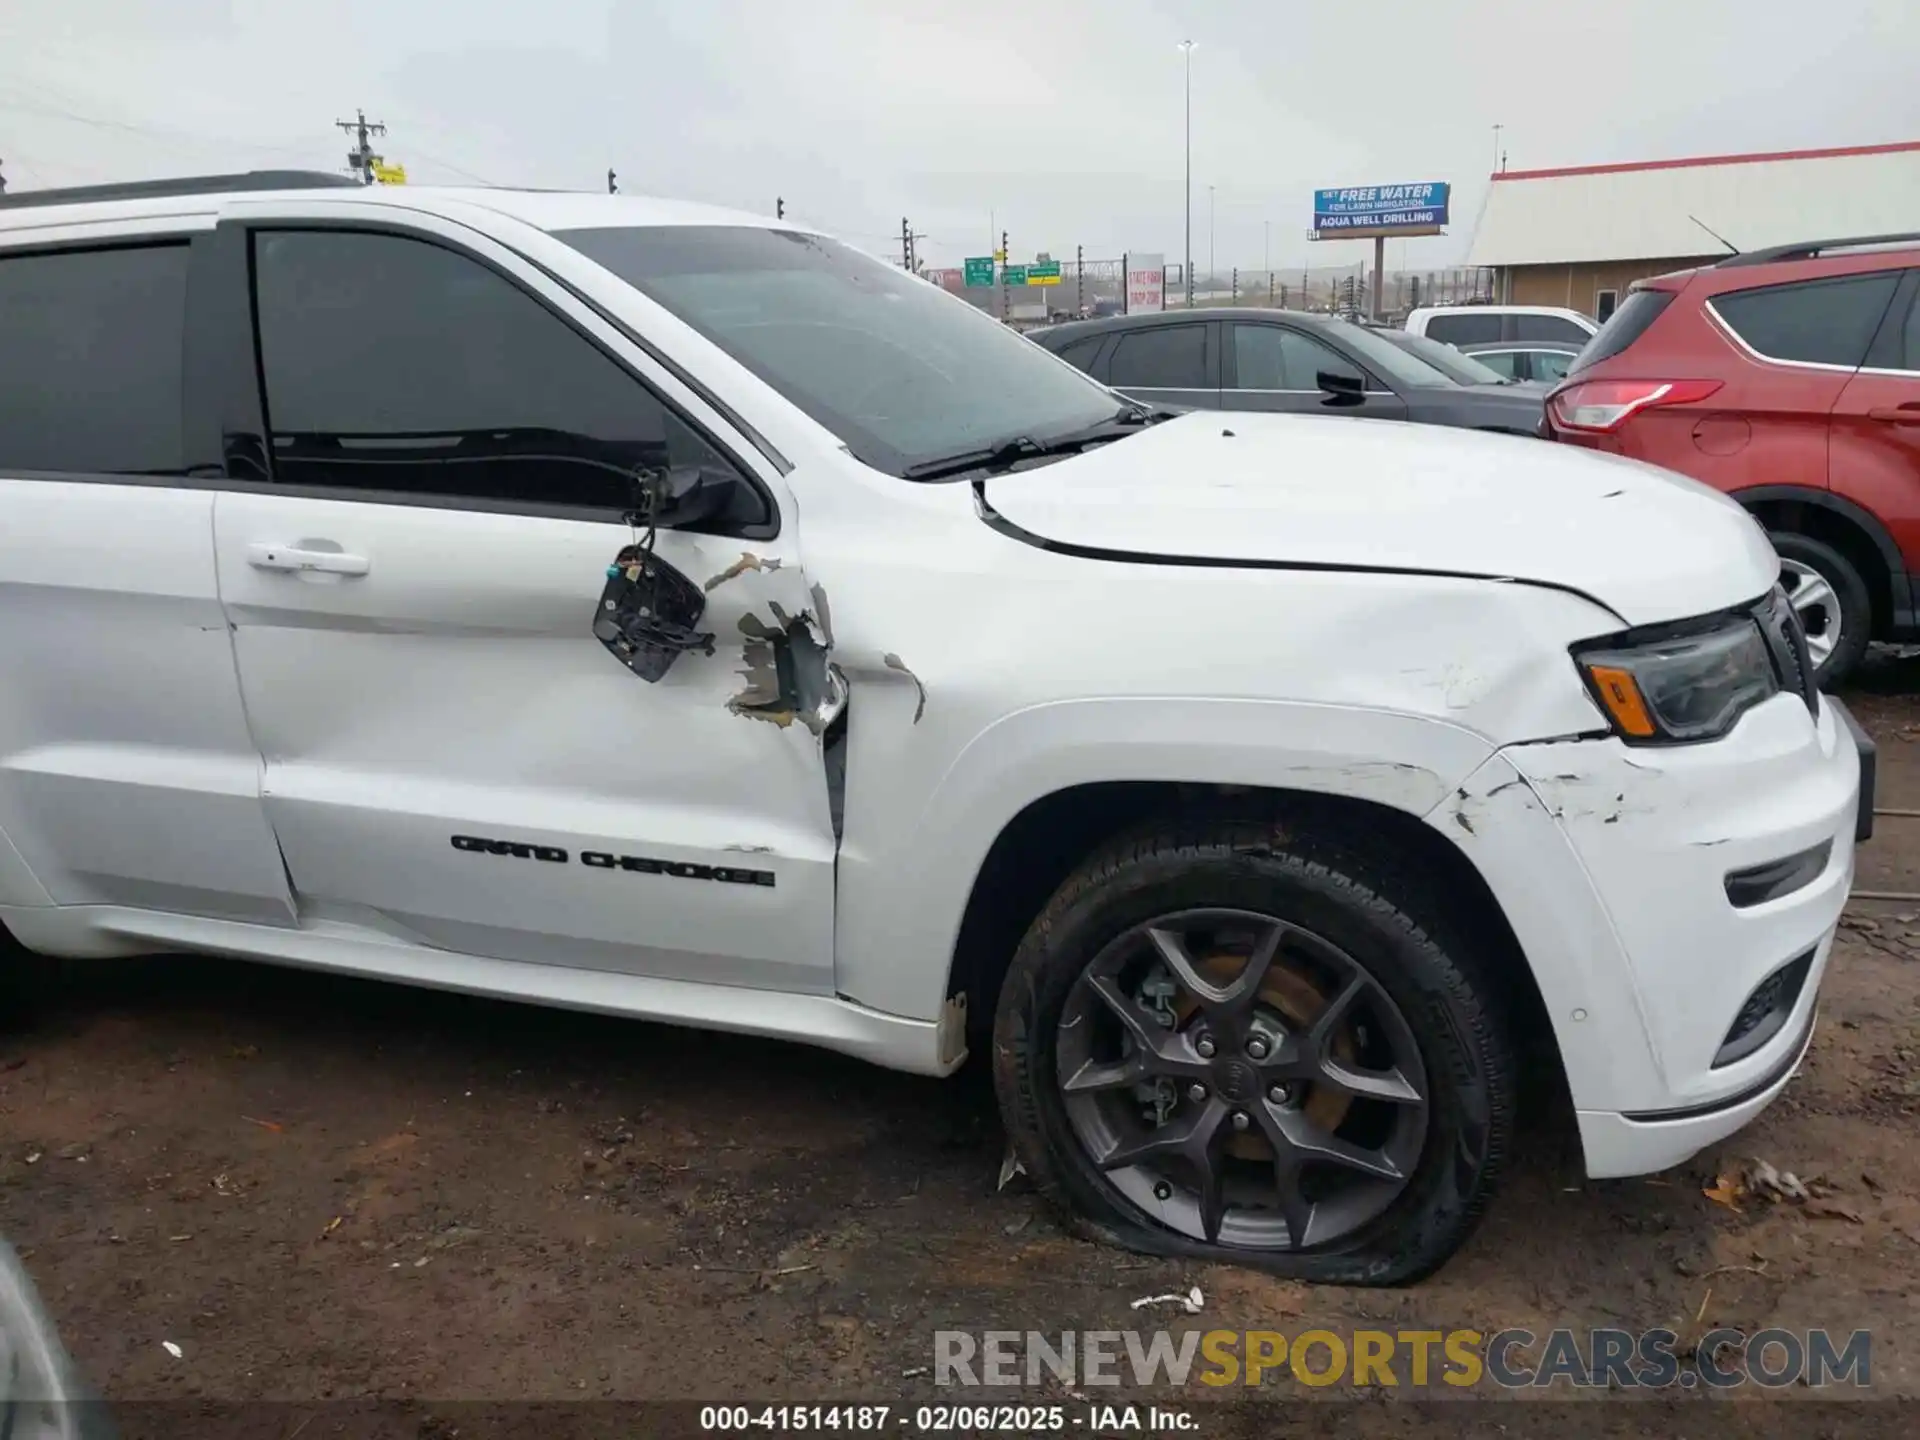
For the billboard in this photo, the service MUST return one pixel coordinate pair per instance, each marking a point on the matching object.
(1362, 211)
(1146, 283)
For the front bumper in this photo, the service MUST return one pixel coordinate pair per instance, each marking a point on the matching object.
(1612, 865)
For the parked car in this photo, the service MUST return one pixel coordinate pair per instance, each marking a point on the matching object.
(1454, 364)
(1249, 359)
(676, 613)
(1546, 364)
(1790, 379)
(1491, 324)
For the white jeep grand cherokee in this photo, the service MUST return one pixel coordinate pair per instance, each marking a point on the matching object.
(668, 612)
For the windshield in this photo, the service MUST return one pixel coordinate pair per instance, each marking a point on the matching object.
(1388, 358)
(1444, 358)
(902, 372)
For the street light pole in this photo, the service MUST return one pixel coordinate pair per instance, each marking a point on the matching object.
(1187, 48)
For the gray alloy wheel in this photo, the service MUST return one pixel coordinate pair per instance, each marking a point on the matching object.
(1818, 605)
(1207, 1059)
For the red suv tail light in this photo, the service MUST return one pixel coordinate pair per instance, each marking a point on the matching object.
(1602, 405)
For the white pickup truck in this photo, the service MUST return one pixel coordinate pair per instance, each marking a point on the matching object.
(674, 613)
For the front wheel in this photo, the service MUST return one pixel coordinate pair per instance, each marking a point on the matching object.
(1831, 599)
(1238, 1045)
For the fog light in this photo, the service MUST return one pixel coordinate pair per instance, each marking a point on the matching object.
(1764, 1011)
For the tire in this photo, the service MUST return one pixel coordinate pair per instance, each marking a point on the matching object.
(1805, 560)
(1353, 905)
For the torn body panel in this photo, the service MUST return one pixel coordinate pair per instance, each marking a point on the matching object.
(1659, 829)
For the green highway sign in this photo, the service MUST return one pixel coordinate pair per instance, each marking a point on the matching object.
(979, 270)
(1014, 274)
(1043, 270)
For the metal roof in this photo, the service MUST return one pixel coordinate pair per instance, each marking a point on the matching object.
(1655, 210)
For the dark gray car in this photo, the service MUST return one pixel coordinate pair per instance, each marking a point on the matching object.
(1282, 360)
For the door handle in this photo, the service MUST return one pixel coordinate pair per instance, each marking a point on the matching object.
(1908, 414)
(264, 555)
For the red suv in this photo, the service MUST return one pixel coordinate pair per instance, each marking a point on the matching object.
(1790, 379)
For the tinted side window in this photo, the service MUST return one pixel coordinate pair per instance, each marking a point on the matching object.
(1307, 358)
(396, 365)
(90, 344)
(1551, 328)
(1258, 361)
(1166, 357)
(1911, 335)
(1626, 325)
(1824, 322)
(1465, 329)
(1081, 352)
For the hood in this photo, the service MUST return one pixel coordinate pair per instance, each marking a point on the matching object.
(1521, 405)
(1344, 493)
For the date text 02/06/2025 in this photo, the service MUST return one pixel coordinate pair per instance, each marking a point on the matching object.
(946, 1419)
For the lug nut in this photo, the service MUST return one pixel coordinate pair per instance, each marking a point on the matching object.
(1279, 1094)
(1240, 1121)
(1205, 1047)
(1196, 1091)
(1257, 1047)
(1162, 1190)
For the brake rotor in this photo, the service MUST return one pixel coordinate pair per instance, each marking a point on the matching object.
(1298, 1001)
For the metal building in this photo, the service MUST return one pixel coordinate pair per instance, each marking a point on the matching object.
(1579, 236)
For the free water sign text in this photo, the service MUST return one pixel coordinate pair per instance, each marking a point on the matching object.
(1381, 207)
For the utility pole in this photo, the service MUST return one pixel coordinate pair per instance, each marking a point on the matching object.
(612, 189)
(1006, 296)
(1213, 263)
(3, 178)
(1079, 278)
(361, 159)
(779, 208)
(1235, 297)
(906, 245)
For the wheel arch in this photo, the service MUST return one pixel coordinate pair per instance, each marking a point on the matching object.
(1054, 834)
(1851, 529)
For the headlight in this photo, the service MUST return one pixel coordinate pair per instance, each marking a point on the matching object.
(1676, 686)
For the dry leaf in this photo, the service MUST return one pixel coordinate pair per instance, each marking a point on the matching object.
(1727, 1191)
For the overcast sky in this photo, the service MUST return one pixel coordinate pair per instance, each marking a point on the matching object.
(1061, 122)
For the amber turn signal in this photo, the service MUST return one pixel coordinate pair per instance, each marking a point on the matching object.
(1621, 696)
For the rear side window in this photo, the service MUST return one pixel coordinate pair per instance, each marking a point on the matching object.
(1167, 357)
(1506, 362)
(1553, 329)
(90, 367)
(1465, 329)
(1081, 352)
(1640, 309)
(1549, 364)
(1814, 322)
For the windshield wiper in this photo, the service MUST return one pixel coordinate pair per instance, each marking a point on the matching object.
(1008, 453)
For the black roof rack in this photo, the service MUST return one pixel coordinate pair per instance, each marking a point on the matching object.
(1807, 249)
(186, 185)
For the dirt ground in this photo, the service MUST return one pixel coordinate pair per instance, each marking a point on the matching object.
(320, 1189)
